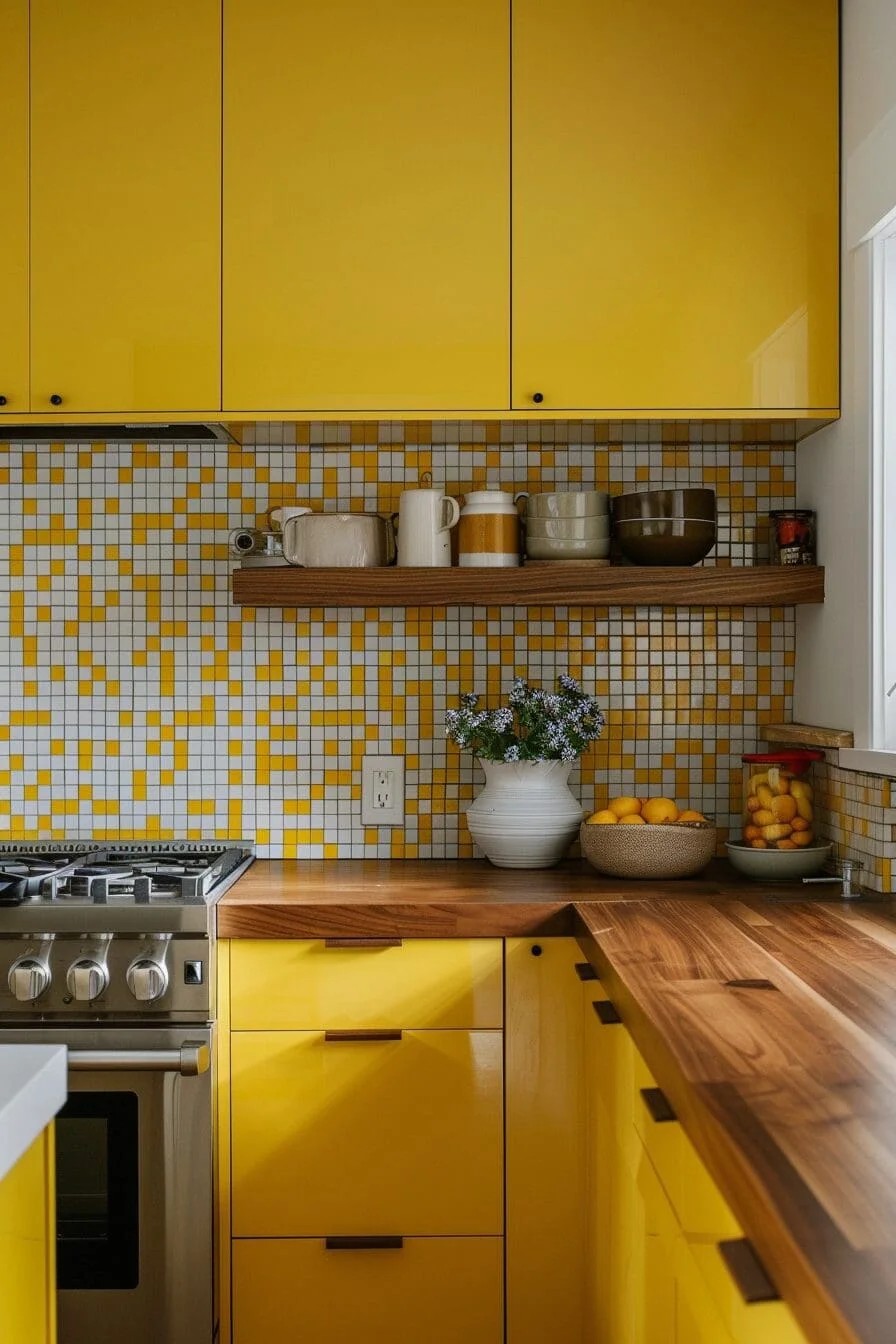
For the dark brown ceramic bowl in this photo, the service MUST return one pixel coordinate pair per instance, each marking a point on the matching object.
(691, 503)
(665, 541)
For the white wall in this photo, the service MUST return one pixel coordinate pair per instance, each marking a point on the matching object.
(833, 466)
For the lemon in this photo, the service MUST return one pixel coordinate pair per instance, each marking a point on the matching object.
(603, 818)
(631, 819)
(623, 807)
(659, 810)
(689, 815)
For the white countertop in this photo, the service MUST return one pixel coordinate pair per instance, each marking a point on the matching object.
(33, 1087)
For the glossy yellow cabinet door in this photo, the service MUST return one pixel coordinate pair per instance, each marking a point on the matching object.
(675, 232)
(14, 207)
(358, 1136)
(27, 1247)
(430, 1291)
(366, 188)
(125, 206)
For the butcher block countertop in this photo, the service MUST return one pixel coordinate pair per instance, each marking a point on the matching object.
(768, 1020)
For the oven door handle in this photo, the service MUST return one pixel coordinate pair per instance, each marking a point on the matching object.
(189, 1060)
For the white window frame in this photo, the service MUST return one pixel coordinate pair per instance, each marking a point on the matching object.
(880, 753)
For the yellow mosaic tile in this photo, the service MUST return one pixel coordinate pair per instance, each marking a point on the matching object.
(136, 701)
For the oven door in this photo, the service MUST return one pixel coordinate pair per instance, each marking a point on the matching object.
(134, 1185)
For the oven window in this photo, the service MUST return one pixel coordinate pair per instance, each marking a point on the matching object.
(97, 1191)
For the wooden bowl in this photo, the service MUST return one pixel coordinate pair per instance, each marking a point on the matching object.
(659, 852)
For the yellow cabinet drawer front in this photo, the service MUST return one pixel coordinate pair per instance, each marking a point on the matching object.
(366, 205)
(125, 205)
(697, 1318)
(308, 986)
(14, 207)
(431, 1291)
(341, 1137)
(622, 1073)
(699, 1205)
(746, 1322)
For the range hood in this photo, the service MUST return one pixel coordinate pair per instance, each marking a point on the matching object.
(133, 432)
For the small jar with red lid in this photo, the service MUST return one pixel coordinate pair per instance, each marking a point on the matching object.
(779, 799)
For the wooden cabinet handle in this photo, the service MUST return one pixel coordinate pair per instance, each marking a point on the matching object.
(585, 971)
(362, 1035)
(364, 1243)
(606, 1012)
(657, 1104)
(362, 942)
(748, 1271)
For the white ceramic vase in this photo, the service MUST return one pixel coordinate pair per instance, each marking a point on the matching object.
(526, 816)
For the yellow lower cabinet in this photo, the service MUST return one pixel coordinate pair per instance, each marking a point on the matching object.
(27, 1247)
(770, 1322)
(349, 1133)
(431, 1290)
(660, 1233)
(697, 1319)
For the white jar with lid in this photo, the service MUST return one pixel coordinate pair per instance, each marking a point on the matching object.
(489, 530)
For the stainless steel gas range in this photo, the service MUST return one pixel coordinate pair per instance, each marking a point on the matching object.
(109, 951)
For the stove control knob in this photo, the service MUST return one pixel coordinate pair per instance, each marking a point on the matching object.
(147, 980)
(86, 980)
(28, 979)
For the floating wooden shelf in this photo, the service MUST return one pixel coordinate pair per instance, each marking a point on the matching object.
(623, 585)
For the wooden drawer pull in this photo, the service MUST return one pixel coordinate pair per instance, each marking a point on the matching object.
(364, 1243)
(362, 1035)
(606, 1012)
(747, 1271)
(362, 942)
(657, 1104)
(585, 971)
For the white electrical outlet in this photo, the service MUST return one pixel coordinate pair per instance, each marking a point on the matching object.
(382, 791)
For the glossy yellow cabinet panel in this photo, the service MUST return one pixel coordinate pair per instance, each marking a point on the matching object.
(431, 1291)
(675, 236)
(366, 189)
(14, 207)
(28, 1247)
(345, 1137)
(746, 1322)
(304, 985)
(545, 1234)
(125, 206)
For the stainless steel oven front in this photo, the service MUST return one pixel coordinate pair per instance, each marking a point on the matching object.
(134, 1184)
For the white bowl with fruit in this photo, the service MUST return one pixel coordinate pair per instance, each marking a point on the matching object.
(647, 838)
(778, 834)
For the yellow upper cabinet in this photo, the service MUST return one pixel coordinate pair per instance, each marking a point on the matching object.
(14, 207)
(675, 188)
(366, 219)
(125, 205)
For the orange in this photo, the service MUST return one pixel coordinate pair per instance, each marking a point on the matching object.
(623, 807)
(632, 819)
(658, 810)
(603, 818)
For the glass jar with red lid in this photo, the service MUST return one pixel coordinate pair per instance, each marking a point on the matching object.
(779, 799)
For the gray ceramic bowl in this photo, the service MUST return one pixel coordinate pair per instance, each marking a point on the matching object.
(689, 503)
(570, 529)
(583, 548)
(776, 865)
(665, 541)
(568, 504)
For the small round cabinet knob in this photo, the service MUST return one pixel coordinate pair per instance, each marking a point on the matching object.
(28, 979)
(538, 397)
(147, 980)
(2, 401)
(86, 980)
(55, 400)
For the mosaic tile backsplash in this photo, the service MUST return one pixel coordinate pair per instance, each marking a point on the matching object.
(136, 701)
